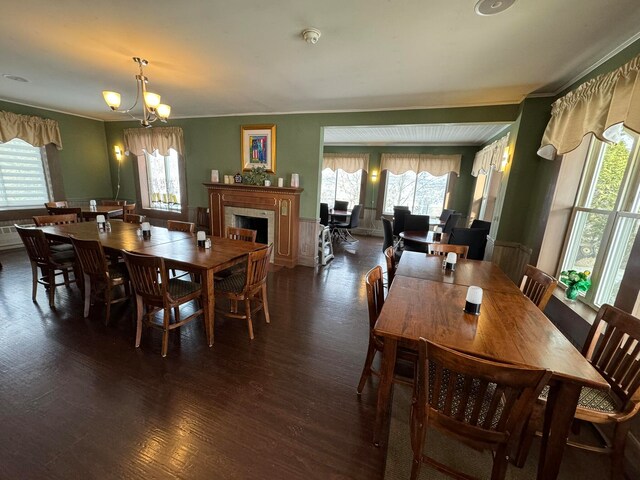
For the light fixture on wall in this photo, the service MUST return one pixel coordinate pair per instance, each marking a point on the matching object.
(152, 109)
(118, 152)
(505, 159)
(374, 175)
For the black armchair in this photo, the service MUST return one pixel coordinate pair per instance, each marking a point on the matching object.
(452, 222)
(399, 214)
(475, 238)
(324, 214)
(387, 228)
(481, 224)
(416, 222)
(344, 229)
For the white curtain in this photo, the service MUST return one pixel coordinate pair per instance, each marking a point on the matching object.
(594, 107)
(490, 156)
(141, 140)
(349, 162)
(436, 165)
(34, 130)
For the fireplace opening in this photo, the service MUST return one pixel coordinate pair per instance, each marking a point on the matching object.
(260, 225)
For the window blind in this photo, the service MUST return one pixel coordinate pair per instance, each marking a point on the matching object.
(23, 175)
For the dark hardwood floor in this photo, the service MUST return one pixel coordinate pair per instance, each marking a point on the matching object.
(77, 400)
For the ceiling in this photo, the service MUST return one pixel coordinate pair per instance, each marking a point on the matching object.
(432, 134)
(223, 58)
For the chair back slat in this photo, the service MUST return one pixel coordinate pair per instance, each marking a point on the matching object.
(237, 233)
(375, 294)
(390, 257)
(538, 286)
(178, 226)
(257, 268)
(65, 211)
(148, 276)
(442, 249)
(42, 220)
(616, 354)
(91, 257)
(480, 401)
(36, 244)
(133, 218)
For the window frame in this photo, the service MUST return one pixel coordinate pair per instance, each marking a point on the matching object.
(363, 185)
(142, 195)
(622, 208)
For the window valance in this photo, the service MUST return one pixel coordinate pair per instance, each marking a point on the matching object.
(436, 165)
(594, 107)
(139, 140)
(349, 162)
(490, 157)
(33, 130)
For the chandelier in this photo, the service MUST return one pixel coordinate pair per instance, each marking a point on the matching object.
(152, 109)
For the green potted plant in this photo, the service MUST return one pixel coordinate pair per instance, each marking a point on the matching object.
(255, 176)
(576, 282)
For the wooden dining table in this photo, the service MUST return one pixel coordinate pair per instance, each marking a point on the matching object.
(109, 211)
(509, 329)
(179, 249)
(423, 237)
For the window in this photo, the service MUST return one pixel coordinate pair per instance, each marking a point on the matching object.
(24, 175)
(606, 216)
(340, 185)
(163, 181)
(423, 193)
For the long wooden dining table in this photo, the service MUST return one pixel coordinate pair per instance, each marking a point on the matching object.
(179, 249)
(426, 301)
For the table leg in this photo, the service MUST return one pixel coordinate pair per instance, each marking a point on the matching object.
(560, 410)
(208, 303)
(385, 389)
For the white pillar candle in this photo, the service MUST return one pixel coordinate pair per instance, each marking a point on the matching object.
(295, 180)
(215, 176)
(281, 182)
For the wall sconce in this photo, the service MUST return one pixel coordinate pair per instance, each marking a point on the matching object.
(505, 159)
(118, 152)
(374, 175)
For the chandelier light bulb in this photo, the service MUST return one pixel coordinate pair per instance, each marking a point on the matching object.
(163, 111)
(112, 99)
(152, 100)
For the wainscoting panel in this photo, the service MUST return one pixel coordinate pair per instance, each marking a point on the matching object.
(308, 242)
(511, 257)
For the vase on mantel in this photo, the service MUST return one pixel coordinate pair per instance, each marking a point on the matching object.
(571, 293)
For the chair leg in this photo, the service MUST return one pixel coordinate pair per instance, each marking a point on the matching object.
(265, 304)
(139, 317)
(87, 295)
(165, 331)
(532, 425)
(617, 452)
(366, 371)
(65, 275)
(34, 279)
(500, 463)
(247, 309)
(52, 287)
(107, 299)
(418, 433)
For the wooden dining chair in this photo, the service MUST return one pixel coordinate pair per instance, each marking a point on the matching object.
(43, 220)
(390, 257)
(133, 218)
(443, 248)
(59, 204)
(480, 403)
(235, 233)
(77, 211)
(113, 203)
(250, 285)
(538, 286)
(613, 348)
(155, 290)
(202, 220)
(100, 277)
(178, 226)
(51, 264)
(375, 302)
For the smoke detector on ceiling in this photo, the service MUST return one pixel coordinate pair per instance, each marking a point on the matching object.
(492, 7)
(311, 35)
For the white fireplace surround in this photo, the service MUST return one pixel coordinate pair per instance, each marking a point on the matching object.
(230, 214)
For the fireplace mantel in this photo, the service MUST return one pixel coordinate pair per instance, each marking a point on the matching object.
(283, 201)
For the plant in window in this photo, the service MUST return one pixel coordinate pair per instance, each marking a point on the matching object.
(576, 282)
(255, 176)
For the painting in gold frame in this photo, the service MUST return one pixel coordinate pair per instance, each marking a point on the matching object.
(258, 147)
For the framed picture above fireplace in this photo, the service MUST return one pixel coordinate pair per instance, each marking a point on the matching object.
(258, 147)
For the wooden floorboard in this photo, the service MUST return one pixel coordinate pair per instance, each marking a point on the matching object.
(77, 400)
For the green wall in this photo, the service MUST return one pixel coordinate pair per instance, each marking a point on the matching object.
(83, 158)
(461, 198)
(214, 143)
